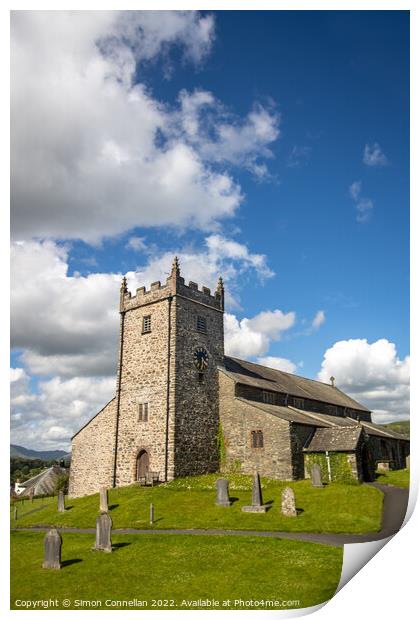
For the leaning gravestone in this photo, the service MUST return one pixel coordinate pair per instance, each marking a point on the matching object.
(103, 500)
(61, 506)
(103, 533)
(52, 550)
(288, 503)
(222, 487)
(316, 476)
(257, 503)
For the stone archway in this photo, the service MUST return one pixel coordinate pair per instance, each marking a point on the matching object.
(142, 464)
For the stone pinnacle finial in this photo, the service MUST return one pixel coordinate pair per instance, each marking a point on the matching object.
(332, 379)
(220, 293)
(175, 267)
(124, 285)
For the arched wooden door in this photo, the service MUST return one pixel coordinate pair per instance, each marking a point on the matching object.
(142, 464)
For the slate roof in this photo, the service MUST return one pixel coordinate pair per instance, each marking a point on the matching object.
(336, 439)
(321, 420)
(43, 483)
(263, 377)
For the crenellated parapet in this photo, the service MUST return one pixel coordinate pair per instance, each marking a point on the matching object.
(175, 286)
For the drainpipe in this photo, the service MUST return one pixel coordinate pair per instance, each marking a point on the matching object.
(327, 456)
(168, 378)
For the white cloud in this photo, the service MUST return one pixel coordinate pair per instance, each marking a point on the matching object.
(250, 337)
(319, 319)
(372, 373)
(65, 324)
(364, 206)
(280, 363)
(94, 154)
(299, 156)
(48, 418)
(373, 155)
(355, 189)
(137, 244)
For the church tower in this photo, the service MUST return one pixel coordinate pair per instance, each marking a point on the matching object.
(166, 405)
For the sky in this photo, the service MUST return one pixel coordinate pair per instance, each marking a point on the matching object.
(271, 148)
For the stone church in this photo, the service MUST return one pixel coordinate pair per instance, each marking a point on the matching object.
(184, 408)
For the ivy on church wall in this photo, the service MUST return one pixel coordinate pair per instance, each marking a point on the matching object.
(341, 469)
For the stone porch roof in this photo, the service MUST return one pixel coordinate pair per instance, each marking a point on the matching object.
(249, 373)
(335, 439)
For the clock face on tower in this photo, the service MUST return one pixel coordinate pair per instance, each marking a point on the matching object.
(201, 358)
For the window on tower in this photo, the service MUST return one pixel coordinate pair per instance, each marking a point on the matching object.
(257, 439)
(201, 324)
(147, 324)
(143, 412)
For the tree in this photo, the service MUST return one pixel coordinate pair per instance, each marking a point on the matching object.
(62, 484)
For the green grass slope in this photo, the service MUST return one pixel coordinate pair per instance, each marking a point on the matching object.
(396, 478)
(190, 503)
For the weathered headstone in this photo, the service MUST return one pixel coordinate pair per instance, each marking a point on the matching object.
(61, 506)
(407, 462)
(103, 500)
(316, 475)
(52, 550)
(288, 503)
(103, 533)
(222, 487)
(152, 514)
(257, 502)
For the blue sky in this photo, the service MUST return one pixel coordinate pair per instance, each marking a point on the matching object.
(318, 103)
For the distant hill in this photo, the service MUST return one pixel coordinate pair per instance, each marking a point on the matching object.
(399, 427)
(43, 455)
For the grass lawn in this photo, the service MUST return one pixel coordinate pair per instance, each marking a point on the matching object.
(396, 478)
(171, 568)
(190, 503)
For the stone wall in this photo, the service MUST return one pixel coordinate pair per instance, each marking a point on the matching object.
(92, 457)
(196, 395)
(238, 420)
(388, 449)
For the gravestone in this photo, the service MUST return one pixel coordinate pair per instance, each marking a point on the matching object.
(257, 502)
(103, 533)
(288, 503)
(52, 550)
(152, 514)
(316, 475)
(61, 506)
(407, 462)
(103, 500)
(222, 487)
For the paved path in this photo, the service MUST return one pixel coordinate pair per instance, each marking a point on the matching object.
(395, 506)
